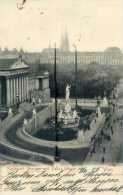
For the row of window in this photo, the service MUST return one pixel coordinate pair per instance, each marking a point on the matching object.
(83, 60)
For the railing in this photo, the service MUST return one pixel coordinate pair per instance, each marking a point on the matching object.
(83, 101)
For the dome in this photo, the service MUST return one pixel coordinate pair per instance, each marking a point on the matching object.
(112, 50)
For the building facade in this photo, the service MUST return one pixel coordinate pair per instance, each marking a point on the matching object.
(16, 84)
(13, 81)
(111, 56)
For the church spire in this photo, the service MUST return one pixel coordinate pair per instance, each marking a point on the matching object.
(65, 42)
(49, 45)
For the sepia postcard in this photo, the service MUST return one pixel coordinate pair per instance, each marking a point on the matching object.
(61, 97)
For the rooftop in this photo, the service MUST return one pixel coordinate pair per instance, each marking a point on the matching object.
(109, 50)
(11, 63)
(113, 50)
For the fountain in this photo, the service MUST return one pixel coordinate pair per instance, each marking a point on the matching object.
(68, 117)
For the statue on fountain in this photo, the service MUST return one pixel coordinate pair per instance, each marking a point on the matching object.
(67, 98)
(60, 115)
(68, 93)
(67, 116)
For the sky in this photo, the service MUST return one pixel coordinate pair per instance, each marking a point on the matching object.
(92, 25)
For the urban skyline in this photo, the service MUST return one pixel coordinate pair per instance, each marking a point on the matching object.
(39, 22)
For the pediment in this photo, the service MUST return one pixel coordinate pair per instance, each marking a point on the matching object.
(19, 64)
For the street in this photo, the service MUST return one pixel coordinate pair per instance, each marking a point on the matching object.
(111, 150)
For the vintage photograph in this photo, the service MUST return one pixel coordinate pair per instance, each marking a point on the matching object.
(61, 82)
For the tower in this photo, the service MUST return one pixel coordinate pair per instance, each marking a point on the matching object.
(65, 42)
(49, 45)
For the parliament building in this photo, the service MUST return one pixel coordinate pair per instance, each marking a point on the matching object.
(17, 85)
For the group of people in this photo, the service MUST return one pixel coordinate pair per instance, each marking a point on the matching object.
(98, 142)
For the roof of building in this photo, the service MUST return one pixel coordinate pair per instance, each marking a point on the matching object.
(113, 50)
(43, 74)
(108, 50)
(50, 50)
(11, 63)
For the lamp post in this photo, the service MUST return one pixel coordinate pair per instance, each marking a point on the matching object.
(76, 69)
(57, 157)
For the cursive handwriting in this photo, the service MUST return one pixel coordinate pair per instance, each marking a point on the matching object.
(69, 179)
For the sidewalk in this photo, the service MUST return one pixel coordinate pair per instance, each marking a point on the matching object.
(112, 153)
(113, 148)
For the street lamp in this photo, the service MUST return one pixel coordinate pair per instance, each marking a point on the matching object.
(76, 70)
(57, 156)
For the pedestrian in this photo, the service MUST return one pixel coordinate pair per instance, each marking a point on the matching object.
(33, 101)
(94, 149)
(103, 159)
(112, 132)
(90, 154)
(102, 133)
(104, 149)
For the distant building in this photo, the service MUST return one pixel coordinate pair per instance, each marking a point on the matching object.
(110, 56)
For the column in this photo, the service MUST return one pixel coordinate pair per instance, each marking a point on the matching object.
(22, 90)
(24, 87)
(17, 89)
(0, 92)
(8, 92)
(27, 83)
(14, 91)
(11, 86)
(20, 93)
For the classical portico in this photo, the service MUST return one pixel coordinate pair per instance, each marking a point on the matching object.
(13, 82)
